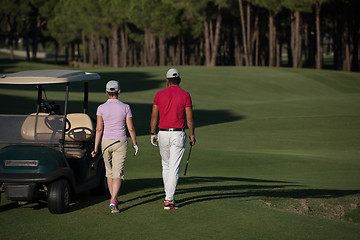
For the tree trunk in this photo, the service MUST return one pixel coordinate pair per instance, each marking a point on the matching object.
(178, 51)
(182, 46)
(171, 56)
(245, 45)
(133, 60)
(191, 53)
(255, 39)
(206, 38)
(114, 47)
(147, 57)
(237, 51)
(99, 51)
(296, 40)
(68, 53)
(336, 41)
(257, 43)
(212, 37)
(162, 51)
(143, 57)
(149, 48)
(11, 48)
(131, 54)
(26, 40)
(153, 49)
(105, 50)
(11, 41)
(248, 34)
(307, 43)
(346, 40)
(272, 38)
(83, 42)
(92, 49)
(346, 66)
(124, 46)
(355, 37)
(35, 39)
(216, 40)
(56, 52)
(135, 55)
(319, 47)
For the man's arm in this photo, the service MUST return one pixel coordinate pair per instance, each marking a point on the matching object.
(153, 122)
(154, 118)
(190, 124)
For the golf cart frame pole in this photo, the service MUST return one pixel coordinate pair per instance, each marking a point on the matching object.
(39, 98)
(86, 97)
(62, 141)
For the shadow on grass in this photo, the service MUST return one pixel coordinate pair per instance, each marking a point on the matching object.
(191, 190)
(129, 81)
(8, 206)
(214, 188)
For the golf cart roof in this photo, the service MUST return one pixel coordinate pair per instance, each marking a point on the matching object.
(47, 77)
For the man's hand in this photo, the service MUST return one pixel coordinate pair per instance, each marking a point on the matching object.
(136, 149)
(154, 140)
(192, 140)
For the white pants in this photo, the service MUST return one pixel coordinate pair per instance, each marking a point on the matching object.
(172, 147)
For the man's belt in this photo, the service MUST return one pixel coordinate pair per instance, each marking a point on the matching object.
(172, 129)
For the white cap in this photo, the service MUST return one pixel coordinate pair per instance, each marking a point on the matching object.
(112, 86)
(172, 73)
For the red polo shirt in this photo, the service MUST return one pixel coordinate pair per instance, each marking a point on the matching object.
(172, 102)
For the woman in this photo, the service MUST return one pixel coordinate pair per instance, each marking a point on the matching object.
(113, 117)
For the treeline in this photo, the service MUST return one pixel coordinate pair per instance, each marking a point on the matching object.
(124, 33)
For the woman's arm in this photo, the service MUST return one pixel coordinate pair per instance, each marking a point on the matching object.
(131, 128)
(98, 134)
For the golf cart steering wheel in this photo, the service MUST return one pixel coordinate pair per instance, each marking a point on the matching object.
(67, 125)
(54, 123)
(79, 133)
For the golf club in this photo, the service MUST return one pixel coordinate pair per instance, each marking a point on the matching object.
(187, 162)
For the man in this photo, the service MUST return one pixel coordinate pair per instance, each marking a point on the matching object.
(171, 105)
(112, 116)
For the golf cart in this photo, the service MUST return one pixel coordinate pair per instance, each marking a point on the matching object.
(47, 154)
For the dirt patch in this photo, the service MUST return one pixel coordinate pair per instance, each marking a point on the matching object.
(330, 208)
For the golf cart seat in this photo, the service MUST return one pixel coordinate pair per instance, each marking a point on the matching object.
(41, 128)
(46, 128)
(81, 127)
(79, 136)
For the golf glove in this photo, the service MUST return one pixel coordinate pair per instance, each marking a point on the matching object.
(136, 149)
(154, 139)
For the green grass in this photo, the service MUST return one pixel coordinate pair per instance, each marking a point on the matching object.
(277, 157)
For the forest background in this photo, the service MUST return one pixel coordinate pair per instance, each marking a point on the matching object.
(124, 33)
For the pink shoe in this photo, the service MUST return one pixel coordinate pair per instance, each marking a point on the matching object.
(114, 206)
(170, 205)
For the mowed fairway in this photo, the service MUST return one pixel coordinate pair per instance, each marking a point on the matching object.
(277, 157)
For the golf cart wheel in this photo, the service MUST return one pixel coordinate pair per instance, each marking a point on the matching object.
(58, 196)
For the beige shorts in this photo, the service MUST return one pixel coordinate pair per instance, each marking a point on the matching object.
(114, 157)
